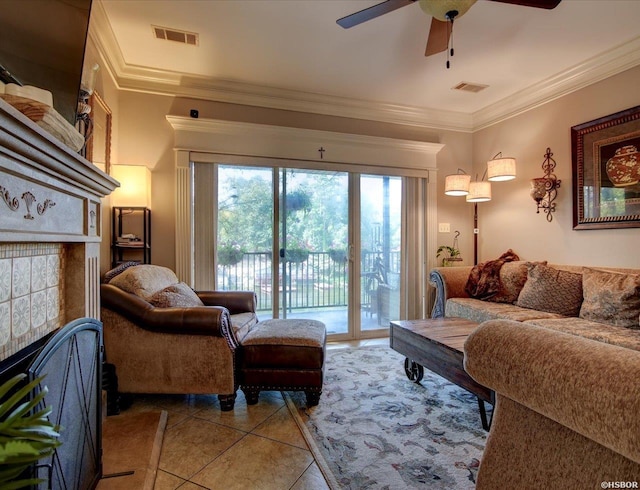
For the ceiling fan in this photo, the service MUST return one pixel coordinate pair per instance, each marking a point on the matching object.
(443, 13)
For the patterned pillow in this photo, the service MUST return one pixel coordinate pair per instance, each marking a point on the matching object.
(611, 297)
(180, 295)
(513, 276)
(551, 290)
(117, 270)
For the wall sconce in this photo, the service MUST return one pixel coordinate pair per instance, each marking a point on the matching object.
(135, 186)
(457, 184)
(544, 190)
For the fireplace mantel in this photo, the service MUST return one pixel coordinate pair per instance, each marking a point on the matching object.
(50, 232)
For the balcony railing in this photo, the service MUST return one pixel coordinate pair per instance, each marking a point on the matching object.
(320, 281)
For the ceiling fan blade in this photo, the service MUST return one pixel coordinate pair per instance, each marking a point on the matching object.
(541, 4)
(372, 12)
(438, 40)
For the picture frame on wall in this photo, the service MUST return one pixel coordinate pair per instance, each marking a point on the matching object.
(605, 157)
(98, 147)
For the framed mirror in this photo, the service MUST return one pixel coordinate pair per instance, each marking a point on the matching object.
(99, 144)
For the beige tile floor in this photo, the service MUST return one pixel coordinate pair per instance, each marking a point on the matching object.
(256, 447)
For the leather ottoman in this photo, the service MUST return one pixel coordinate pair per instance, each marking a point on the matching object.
(283, 354)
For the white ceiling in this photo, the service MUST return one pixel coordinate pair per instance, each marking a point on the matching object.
(291, 54)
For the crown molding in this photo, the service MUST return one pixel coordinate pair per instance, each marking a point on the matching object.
(162, 82)
(243, 138)
(607, 64)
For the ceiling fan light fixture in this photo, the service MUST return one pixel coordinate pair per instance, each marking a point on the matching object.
(441, 9)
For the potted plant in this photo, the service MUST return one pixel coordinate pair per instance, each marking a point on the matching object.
(26, 435)
(452, 255)
(230, 254)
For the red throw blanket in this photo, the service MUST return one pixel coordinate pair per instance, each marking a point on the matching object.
(484, 279)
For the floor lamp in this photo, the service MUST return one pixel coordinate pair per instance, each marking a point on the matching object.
(499, 169)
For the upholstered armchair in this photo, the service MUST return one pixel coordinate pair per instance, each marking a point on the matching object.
(163, 337)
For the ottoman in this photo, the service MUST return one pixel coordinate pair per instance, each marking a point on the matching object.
(283, 354)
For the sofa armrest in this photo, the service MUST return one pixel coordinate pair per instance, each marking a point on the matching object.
(588, 386)
(449, 283)
(234, 301)
(195, 320)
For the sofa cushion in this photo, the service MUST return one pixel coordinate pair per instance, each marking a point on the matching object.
(480, 311)
(180, 295)
(610, 334)
(242, 324)
(552, 290)
(611, 297)
(144, 280)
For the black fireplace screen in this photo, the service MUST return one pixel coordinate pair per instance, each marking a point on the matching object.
(71, 361)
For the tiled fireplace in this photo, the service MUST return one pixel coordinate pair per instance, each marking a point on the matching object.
(49, 233)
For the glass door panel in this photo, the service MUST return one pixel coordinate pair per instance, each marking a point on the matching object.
(313, 253)
(245, 232)
(380, 239)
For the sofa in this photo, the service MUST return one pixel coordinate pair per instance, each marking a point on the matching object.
(566, 412)
(560, 347)
(163, 337)
(596, 303)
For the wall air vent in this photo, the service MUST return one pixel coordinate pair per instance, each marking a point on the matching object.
(176, 35)
(470, 87)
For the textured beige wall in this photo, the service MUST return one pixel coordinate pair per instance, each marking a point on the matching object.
(510, 219)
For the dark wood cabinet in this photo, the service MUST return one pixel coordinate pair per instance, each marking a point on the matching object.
(130, 235)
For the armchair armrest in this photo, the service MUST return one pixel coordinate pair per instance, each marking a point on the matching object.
(588, 386)
(449, 283)
(195, 320)
(234, 301)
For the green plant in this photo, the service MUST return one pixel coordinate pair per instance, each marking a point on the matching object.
(230, 254)
(453, 254)
(26, 435)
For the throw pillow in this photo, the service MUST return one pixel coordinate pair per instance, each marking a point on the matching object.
(144, 280)
(180, 295)
(118, 270)
(611, 297)
(551, 290)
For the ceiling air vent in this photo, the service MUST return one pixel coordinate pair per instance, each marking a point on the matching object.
(470, 87)
(176, 35)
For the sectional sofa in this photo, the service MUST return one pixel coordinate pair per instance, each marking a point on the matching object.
(560, 346)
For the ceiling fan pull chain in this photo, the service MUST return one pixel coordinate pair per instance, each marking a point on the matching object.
(449, 34)
(451, 15)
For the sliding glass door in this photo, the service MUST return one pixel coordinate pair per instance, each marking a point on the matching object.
(285, 234)
(314, 225)
(380, 238)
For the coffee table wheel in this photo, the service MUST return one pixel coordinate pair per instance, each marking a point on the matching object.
(413, 370)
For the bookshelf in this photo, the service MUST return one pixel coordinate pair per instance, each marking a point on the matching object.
(130, 235)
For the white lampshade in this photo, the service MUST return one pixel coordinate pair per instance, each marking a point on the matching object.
(501, 169)
(135, 186)
(439, 8)
(457, 184)
(479, 192)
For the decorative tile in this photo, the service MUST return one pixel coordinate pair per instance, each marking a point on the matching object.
(53, 303)
(20, 316)
(5, 322)
(38, 273)
(53, 270)
(21, 276)
(38, 309)
(5, 279)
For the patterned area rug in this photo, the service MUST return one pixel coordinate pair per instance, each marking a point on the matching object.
(376, 429)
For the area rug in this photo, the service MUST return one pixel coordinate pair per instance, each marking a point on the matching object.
(376, 429)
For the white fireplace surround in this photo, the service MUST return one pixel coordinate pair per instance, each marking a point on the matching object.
(50, 217)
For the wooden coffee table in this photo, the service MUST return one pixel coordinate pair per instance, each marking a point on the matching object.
(437, 344)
